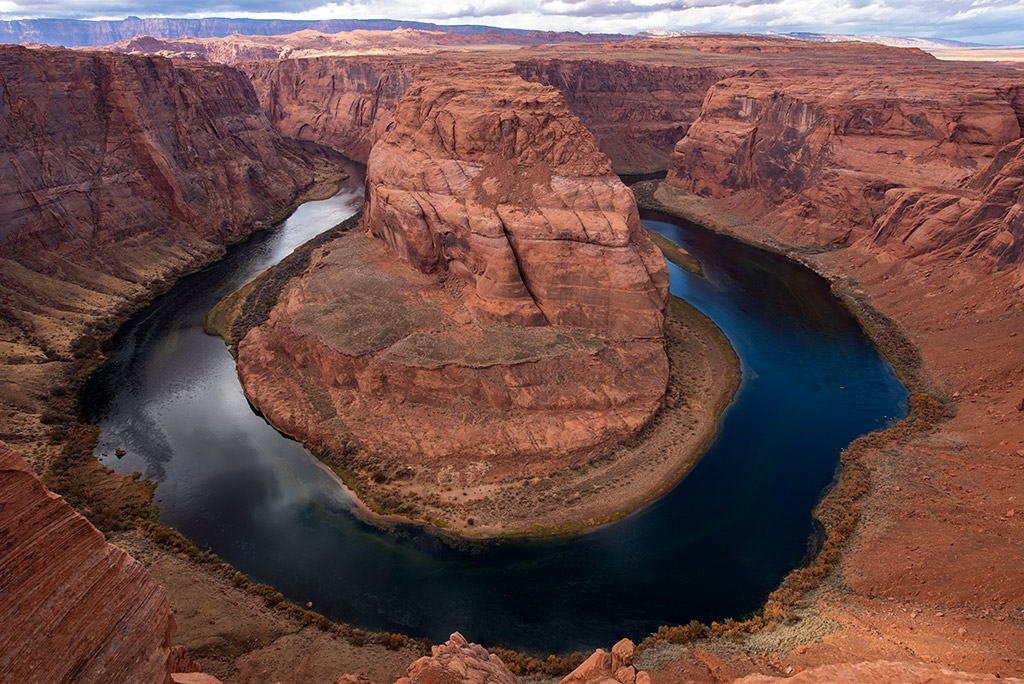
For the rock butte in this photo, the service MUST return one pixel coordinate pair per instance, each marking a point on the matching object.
(509, 314)
(878, 165)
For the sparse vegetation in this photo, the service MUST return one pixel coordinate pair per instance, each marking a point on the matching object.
(837, 512)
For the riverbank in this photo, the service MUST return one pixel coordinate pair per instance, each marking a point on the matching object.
(42, 420)
(930, 570)
(40, 384)
(704, 375)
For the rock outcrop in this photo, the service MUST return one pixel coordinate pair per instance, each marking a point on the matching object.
(457, 660)
(73, 607)
(985, 215)
(603, 667)
(507, 321)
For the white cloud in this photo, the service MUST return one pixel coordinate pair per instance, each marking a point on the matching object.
(979, 20)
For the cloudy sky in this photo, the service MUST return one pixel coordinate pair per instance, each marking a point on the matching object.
(984, 21)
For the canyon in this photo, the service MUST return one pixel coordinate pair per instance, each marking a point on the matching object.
(897, 176)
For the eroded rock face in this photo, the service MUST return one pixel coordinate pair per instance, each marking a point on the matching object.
(118, 170)
(342, 102)
(74, 607)
(985, 215)
(817, 155)
(506, 319)
(636, 111)
(494, 181)
(103, 147)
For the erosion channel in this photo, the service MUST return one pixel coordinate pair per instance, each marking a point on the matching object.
(712, 548)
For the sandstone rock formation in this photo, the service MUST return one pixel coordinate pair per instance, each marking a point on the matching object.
(818, 157)
(527, 333)
(72, 606)
(603, 667)
(342, 102)
(636, 110)
(496, 183)
(457, 660)
(118, 170)
(985, 215)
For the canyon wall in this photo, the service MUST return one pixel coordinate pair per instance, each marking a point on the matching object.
(818, 157)
(637, 112)
(984, 215)
(74, 608)
(118, 170)
(342, 102)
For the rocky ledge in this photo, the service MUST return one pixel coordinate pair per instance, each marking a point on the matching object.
(74, 607)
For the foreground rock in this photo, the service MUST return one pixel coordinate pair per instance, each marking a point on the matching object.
(457, 660)
(73, 608)
(609, 668)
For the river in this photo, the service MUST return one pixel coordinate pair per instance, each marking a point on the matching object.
(712, 548)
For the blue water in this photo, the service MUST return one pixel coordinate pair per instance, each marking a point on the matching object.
(712, 548)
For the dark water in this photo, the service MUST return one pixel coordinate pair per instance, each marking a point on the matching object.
(712, 548)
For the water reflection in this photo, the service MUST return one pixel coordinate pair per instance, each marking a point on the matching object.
(710, 549)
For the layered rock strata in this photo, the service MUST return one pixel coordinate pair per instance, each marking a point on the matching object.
(118, 170)
(637, 112)
(496, 182)
(73, 608)
(984, 215)
(818, 158)
(342, 102)
(506, 321)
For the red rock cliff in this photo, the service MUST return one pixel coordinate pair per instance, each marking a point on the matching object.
(118, 170)
(636, 111)
(815, 155)
(341, 102)
(72, 607)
